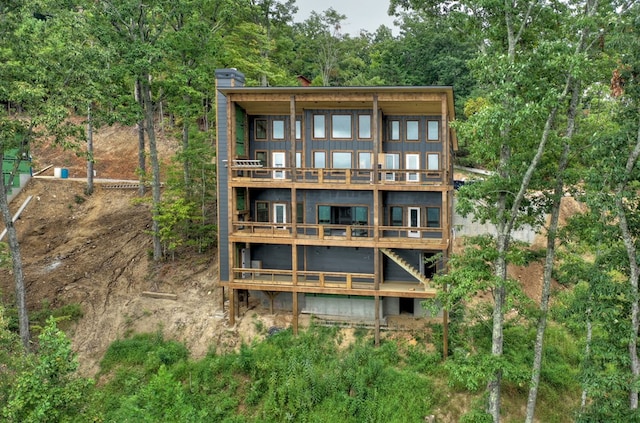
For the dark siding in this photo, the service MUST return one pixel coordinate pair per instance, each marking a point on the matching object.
(225, 78)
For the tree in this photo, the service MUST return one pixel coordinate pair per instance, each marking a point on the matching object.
(320, 38)
(526, 66)
(47, 389)
(34, 88)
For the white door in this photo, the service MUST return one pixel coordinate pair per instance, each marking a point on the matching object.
(412, 162)
(278, 161)
(413, 220)
(279, 214)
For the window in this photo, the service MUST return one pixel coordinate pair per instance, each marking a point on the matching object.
(319, 159)
(298, 159)
(341, 126)
(395, 216)
(299, 213)
(395, 130)
(262, 211)
(433, 130)
(261, 156)
(324, 215)
(261, 129)
(433, 217)
(360, 215)
(298, 129)
(343, 215)
(364, 160)
(319, 127)
(433, 161)
(364, 126)
(413, 130)
(341, 160)
(277, 127)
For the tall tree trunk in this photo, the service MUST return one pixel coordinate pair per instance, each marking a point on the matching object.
(546, 287)
(634, 272)
(142, 155)
(185, 146)
(155, 165)
(587, 357)
(16, 260)
(90, 161)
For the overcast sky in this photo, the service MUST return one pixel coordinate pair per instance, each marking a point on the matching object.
(361, 14)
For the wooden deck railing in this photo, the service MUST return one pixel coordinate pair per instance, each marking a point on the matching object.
(346, 176)
(349, 232)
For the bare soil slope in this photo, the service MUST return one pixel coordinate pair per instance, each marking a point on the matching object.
(95, 251)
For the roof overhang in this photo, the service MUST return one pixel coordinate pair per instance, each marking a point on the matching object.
(416, 101)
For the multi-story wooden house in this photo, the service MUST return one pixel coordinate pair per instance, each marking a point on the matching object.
(333, 200)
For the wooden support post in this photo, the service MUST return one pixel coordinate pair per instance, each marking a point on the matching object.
(295, 312)
(232, 306)
(222, 297)
(377, 324)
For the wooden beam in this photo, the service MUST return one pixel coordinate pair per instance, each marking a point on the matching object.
(418, 292)
(232, 306)
(159, 295)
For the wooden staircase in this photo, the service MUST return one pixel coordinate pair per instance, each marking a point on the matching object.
(406, 266)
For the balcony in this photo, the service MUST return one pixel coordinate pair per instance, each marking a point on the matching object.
(242, 175)
(347, 235)
(325, 283)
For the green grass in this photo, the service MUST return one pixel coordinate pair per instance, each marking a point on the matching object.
(308, 378)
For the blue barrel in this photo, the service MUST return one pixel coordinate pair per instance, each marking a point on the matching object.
(64, 173)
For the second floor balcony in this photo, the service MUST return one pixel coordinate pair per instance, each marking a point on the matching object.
(266, 232)
(320, 177)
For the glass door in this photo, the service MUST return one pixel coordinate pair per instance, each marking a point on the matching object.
(278, 161)
(413, 220)
(279, 214)
(412, 162)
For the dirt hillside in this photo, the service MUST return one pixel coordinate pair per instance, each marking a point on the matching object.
(95, 251)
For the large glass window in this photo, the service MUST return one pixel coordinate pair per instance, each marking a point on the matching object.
(341, 160)
(413, 130)
(433, 161)
(394, 130)
(433, 133)
(278, 129)
(261, 129)
(319, 159)
(395, 216)
(262, 211)
(364, 126)
(433, 217)
(324, 215)
(298, 129)
(299, 213)
(360, 215)
(319, 126)
(298, 159)
(262, 157)
(341, 126)
(364, 160)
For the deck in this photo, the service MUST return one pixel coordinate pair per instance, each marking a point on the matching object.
(361, 284)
